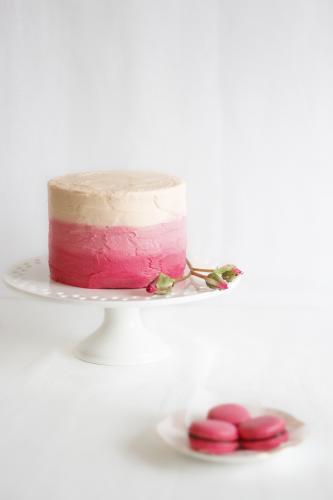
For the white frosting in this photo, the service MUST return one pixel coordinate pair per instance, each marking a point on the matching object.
(117, 198)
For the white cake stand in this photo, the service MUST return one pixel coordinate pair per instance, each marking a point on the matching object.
(122, 338)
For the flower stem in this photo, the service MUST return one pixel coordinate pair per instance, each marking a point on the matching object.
(189, 265)
(199, 275)
(203, 270)
(194, 270)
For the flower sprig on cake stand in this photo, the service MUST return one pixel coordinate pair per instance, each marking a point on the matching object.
(217, 278)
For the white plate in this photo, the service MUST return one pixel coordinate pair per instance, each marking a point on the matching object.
(173, 431)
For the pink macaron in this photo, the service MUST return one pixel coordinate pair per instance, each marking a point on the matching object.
(230, 412)
(262, 433)
(213, 436)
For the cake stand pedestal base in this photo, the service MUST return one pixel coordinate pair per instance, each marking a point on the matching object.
(122, 339)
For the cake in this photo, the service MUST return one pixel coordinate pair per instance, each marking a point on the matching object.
(116, 229)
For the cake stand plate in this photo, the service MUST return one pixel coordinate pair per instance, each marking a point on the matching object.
(122, 338)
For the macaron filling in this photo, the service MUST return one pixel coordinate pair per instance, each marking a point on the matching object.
(212, 440)
(267, 438)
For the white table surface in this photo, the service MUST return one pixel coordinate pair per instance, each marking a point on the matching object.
(75, 431)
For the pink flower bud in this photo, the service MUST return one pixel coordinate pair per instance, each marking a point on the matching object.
(151, 288)
(236, 271)
(228, 272)
(161, 285)
(214, 280)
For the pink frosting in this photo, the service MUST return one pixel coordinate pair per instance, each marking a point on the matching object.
(115, 257)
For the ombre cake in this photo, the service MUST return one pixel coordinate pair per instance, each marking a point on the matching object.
(116, 229)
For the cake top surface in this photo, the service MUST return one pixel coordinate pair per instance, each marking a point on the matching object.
(113, 181)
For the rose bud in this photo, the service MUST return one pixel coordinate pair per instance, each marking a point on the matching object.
(215, 280)
(228, 272)
(161, 285)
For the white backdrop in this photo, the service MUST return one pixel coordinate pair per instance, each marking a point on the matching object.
(234, 96)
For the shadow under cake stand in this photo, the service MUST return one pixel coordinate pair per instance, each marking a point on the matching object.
(122, 338)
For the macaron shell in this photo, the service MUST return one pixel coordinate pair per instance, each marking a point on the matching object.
(265, 444)
(213, 430)
(262, 427)
(230, 412)
(212, 447)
